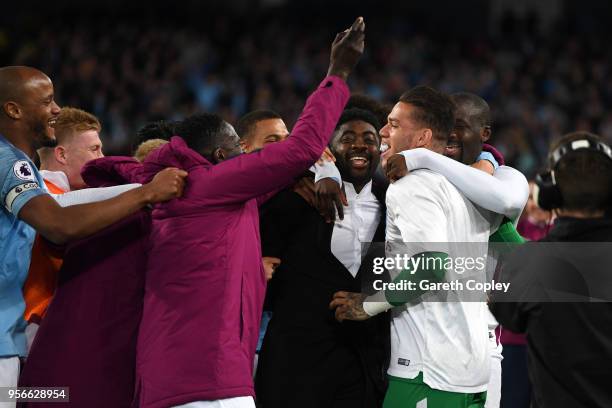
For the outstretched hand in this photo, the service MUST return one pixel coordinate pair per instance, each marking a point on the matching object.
(349, 306)
(346, 50)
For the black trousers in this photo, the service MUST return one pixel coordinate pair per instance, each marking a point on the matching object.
(333, 380)
(516, 388)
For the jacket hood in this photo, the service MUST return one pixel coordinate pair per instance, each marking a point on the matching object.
(111, 171)
(496, 153)
(174, 154)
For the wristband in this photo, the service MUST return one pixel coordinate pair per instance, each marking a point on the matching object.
(372, 308)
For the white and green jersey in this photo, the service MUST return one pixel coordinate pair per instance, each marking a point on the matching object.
(446, 341)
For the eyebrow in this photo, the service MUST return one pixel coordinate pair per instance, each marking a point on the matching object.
(366, 133)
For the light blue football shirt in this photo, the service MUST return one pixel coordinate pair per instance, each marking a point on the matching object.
(20, 181)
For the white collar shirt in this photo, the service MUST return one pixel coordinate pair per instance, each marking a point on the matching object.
(351, 236)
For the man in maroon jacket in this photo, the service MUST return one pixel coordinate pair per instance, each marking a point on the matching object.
(205, 282)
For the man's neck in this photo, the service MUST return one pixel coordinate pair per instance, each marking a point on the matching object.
(357, 185)
(435, 147)
(20, 142)
(581, 214)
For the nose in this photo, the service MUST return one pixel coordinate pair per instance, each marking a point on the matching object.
(55, 109)
(384, 132)
(358, 144)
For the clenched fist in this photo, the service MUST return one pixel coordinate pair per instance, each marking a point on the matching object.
(166, 185)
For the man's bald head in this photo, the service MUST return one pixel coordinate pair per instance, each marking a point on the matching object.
(28, 108)
(15, 82)
(474, 106)
(472, 127)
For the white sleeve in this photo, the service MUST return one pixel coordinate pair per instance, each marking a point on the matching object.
(92, 195)
(506, 192)
(373, 306)
(326, 170)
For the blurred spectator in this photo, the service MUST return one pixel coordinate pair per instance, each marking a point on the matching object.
(535, 222)
(147, 68)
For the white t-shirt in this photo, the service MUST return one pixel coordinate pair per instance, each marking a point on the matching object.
(447, 341)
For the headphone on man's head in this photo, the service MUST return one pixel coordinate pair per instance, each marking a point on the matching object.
(547, 194)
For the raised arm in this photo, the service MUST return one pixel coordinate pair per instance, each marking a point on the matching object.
(255, 174)
(505, 192)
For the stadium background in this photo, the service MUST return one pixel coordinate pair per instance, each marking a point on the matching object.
(544, 66)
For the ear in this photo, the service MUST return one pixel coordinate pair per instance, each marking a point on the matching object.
(218, 155)
(425, 138)
(485, 133)
(244, 145)
(59, 152)
(12, 110)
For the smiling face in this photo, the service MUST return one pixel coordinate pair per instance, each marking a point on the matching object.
(468, 135)
(39, 110)
(27, 108)
(265, 132)
(356, 147)
(402, 132)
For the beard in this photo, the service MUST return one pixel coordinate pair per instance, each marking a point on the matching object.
(356, 177)
(43, 139)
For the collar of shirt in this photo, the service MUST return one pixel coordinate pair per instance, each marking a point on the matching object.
(361, 218)
(58, 178)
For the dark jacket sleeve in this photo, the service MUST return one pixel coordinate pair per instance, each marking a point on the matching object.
(514, 308)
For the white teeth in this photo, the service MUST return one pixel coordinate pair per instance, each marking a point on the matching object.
(384, 147)
(359, 158)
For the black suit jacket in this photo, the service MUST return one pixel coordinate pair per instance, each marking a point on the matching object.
(306, 352)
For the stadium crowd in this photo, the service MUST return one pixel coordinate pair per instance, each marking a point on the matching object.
(148, 280)
(539, 85)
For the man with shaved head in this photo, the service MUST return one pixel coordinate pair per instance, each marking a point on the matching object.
(28, 113)
(29, 108)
